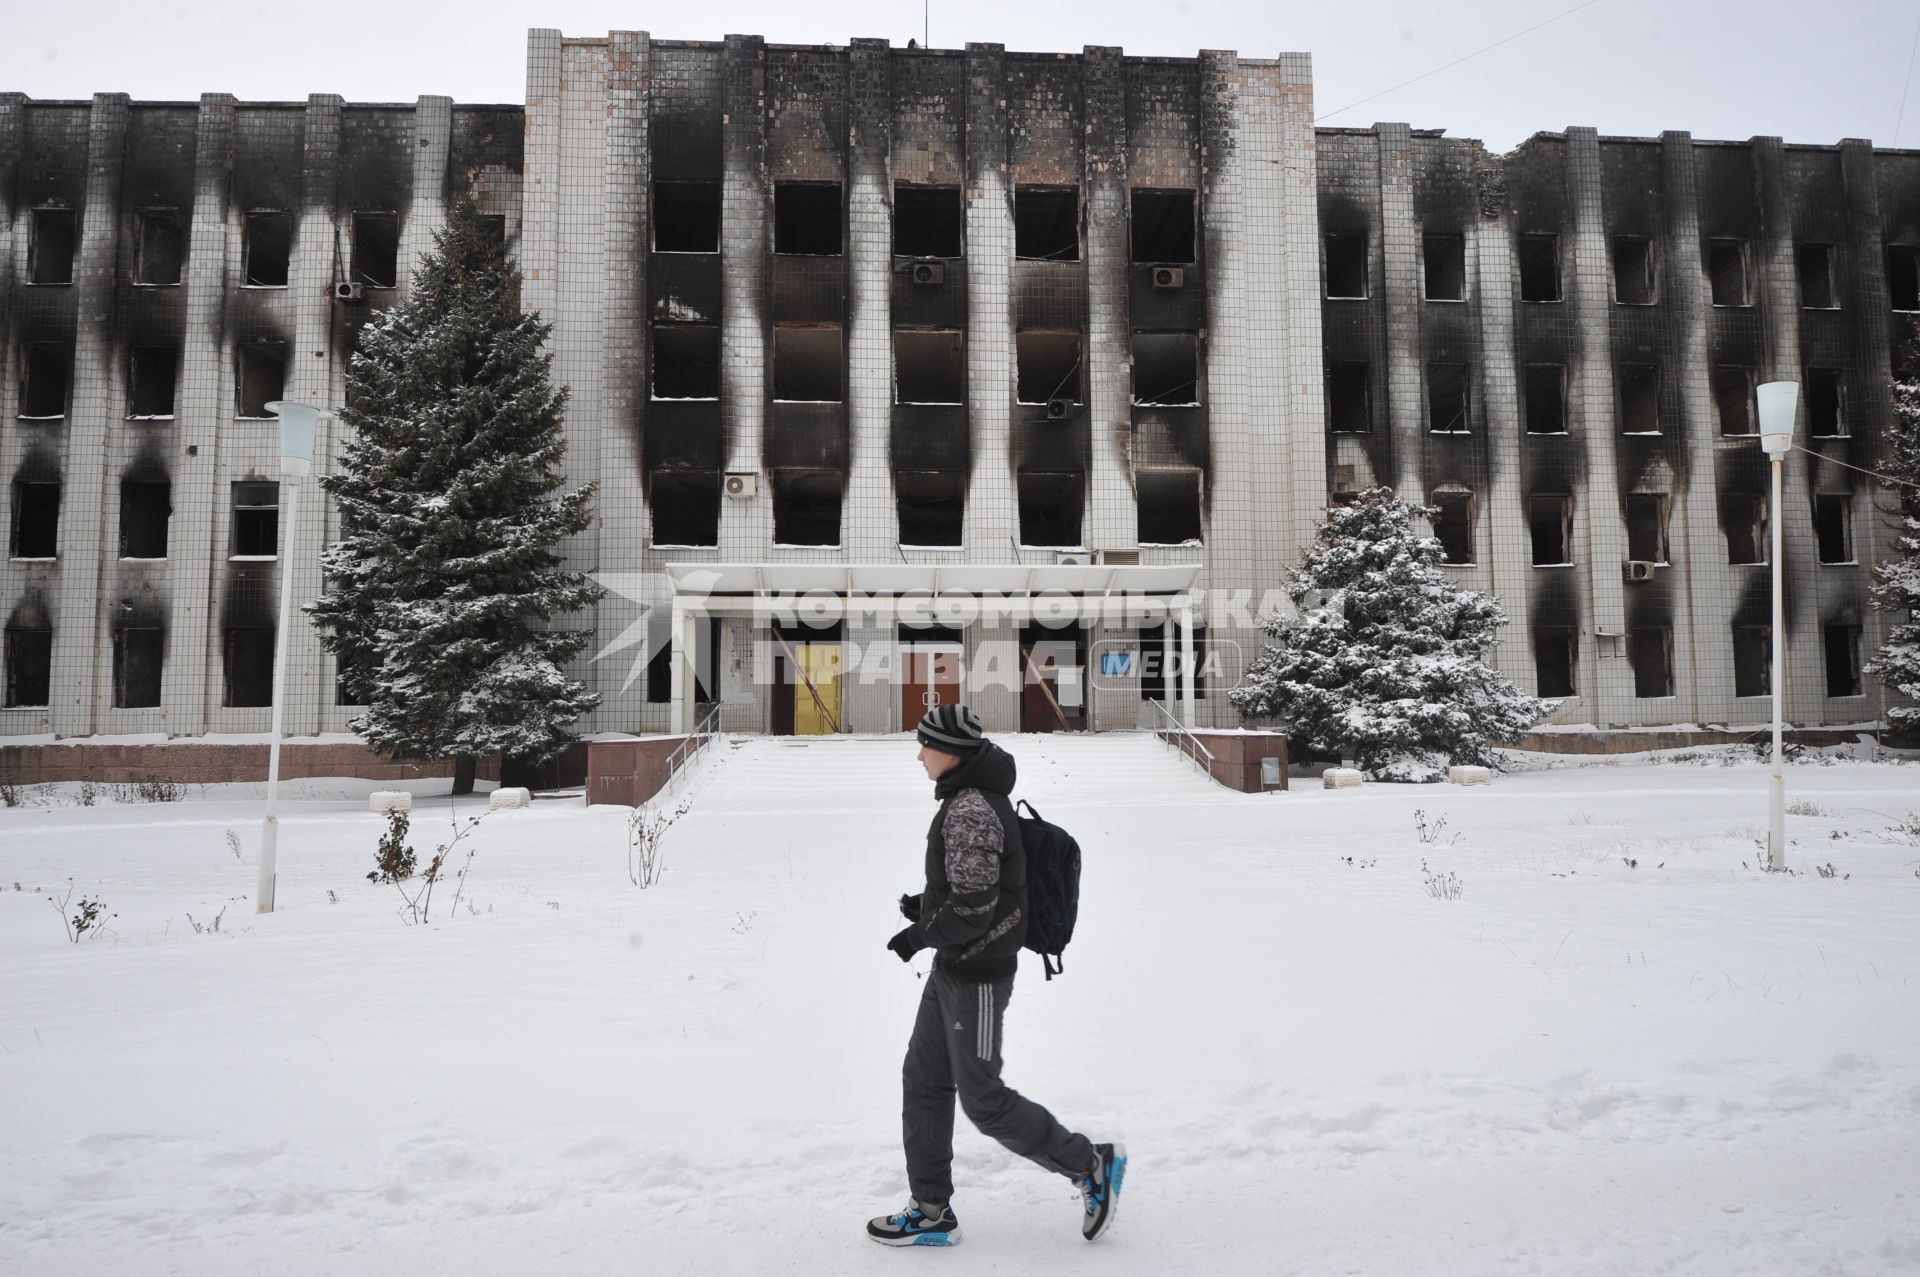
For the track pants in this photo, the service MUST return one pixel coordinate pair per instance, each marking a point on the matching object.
(955, 1049)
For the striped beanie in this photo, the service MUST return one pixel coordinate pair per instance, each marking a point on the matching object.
(951, 729)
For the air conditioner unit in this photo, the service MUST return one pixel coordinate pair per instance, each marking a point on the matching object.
(1073, 558)
(1639, 570)
(348, 292)
(929, 274)
(742, 485)
(1119, 558)
(1169, 277)
(1059, 409)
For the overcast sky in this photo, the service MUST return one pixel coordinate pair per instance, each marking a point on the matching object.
(1804, 70)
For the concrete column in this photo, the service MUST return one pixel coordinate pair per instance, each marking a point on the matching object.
(992, 519)
(1112, 513)
(1501, 534)
(995, 673)
(539, 198)
(1395, 245)
(870, 526)
(427, 202)
(1186, 665)
(746, 352)
(681, 669)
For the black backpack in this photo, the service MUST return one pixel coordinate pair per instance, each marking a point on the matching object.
(1053, 887)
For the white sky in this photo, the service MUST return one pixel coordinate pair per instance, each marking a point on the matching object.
(1804, 70)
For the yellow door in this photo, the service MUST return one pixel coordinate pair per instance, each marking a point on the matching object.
(816, 709)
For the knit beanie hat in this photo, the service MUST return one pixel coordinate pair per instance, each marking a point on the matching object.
(951, 729)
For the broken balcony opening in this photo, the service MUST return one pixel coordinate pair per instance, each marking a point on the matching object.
(151, 373)
(46, 369)
(1453, 523)
(686, 361)
(1162, 227)
(1349, 399)
(808, 363)
(36, 519)
(1168, 502)
(246, 666)
(138, 653)
(686, 217)
(146, 508)
(1813, 267)
(1546, 390)
(1833, 527)
(1647, 527)
(1826, 403)
(1633, 270)
(1346, 264)
(1166, 368)
(1752, 660)
(1650, 650)
(256, 520)
(1449, 398)
(685, 505)
(1160, 663)
(1903, 277)
(929, 366)
(1553, 657)
(263, 377)
(162, 247)
(1047, 366)
(1550, 525)
(1050, 508)
(268, 246)
(806, 506)
(1639, 399)
(807, 219)
(1841, 642)
(1733, 401)
(376, 249)
(927, 221)
(1443, 268)
(932, 506)
(1539, 268)
(1046, 223)
(56, 234)
(29, 659)
(1728, 272)
(1745, 521)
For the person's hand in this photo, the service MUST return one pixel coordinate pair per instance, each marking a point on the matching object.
(906, 943)
(910, 908)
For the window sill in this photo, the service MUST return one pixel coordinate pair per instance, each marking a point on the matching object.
(28, 417)
(253, 558)
(1336, 297)
(1544, 301)
(1733, 305)
(1548, 434)
(1640, 305)
(1824, 308)
(150, 416)
(143, 284)
(1839, 563)
(685, 399)
(266, 288)
(686, 252)
(32, 558)
(1446, 301)
(139, 558)
(49, 283)
(1553, 565)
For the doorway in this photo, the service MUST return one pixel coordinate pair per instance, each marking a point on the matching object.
(931, 665)
(1053, 684)
(806, 682)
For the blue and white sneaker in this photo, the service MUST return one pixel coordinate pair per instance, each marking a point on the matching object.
(1101, 1188)
(916, 1227)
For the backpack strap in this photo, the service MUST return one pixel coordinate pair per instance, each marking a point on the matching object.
(1031, 811)
(1054, 964)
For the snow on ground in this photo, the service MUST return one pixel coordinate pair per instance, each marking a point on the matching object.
(1577, 1066)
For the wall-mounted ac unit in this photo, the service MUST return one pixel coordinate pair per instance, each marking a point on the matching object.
(1073, 558)
(1169, 277)
(930, 273)
(742, 485)
(349, 292)
(1059, 409)
(1639, 570)
(1119, 558)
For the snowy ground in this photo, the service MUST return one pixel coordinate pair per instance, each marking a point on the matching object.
(1576, 1067)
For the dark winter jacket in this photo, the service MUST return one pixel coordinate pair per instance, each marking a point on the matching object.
(973, 912)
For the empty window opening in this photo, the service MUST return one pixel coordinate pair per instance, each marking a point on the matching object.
(1647, 526)
(1346, 264)
(376, 249)
(256, 520)
(1733, 399)
(1048, 366)
(1633, 270)
(929, 366)
(1553, 655)
(1443, 265)
(686, 361)
(1546, 399)
(45, 370)
(1745, 520)
(808, 364)
(29, 657)
(806, 218)
(706, 664)
(1826, 403)
(268, 247)
(1163, 227)
(1550, 521)
(163, 247)
(1752, 660)
(137, 657)
(151, 371)
(1843, 659)
(1160, 665)
(1903, 276)
(1833, 527)
(806, 507)
(1050, 508)
(1166, 368)
(1650, 650)
(146, 507)
(686, 507)
(1449, 398)
(1727, 270)
(1349, 399)
(56, 232)
(1813, 264)
(493, 230)
(1046, 223)
(926, 221)
(246, 662)
(36, 519)
(1169, 507)
(1539, 268)
(263, 377)
(1640, 399)
(686, 217)
(932, 504)
(1453, 524)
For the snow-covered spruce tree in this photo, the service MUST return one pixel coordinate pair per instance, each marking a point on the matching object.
(1896, 588)
(1390, 671)
(439, 592)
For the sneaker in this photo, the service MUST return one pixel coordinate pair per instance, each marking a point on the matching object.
(1101, 1188)
(916, 1227)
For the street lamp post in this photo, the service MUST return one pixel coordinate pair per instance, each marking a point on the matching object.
(1778, 400)
(299, 427)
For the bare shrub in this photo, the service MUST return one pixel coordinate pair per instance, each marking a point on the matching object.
(646, 835)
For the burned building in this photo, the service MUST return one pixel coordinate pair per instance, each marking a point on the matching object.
(907, 374)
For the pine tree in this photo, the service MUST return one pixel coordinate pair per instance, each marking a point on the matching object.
(439, 591)
(1391, 669)
(1896, 588)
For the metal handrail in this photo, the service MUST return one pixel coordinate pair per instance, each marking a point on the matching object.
(1187, 741)
(703, 732)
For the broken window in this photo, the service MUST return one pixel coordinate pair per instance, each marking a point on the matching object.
(806, 218)
(1640, 399)
(36, 518)
(1650, 649)
(806, 507)
(1842, 644)
(1166, 368)
(376, 249)
(1752, 660)
(1163, 228)
(150, 380)
(932, 504)
(268, 247)
(146, 506)
(1169, 507)
(686, 217)
(1349, 399)
(256, 520)
(246, 661)
(29, 657)
(1539, 268)
(263, 377)
(1453, 524)
(493, 230)
(1449, 398)
(1546, 399)
(1047, 367)
(1050, 507)
(807, 364)
(1833, 527)
(137, 653)
(1633, 270)
(1346, 264)
(929, 366)
(162, 247)
(1745, 520)
(1553, 653)
(686, 507)
(56, 233)
(1903, 276)
(1046, 223)
(1160, 665)
(1550, 521)
(1443, 263)
(927, 221)
(1733, 399)
(706, 664)
(686, 361)
(1647, 527)
(1826, 403)
(1813, 264)
(1727, 270)
(45, 368)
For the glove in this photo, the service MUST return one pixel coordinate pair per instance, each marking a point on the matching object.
(907, 943)
(910, 908)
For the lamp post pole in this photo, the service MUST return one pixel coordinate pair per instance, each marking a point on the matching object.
(1778, 400)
